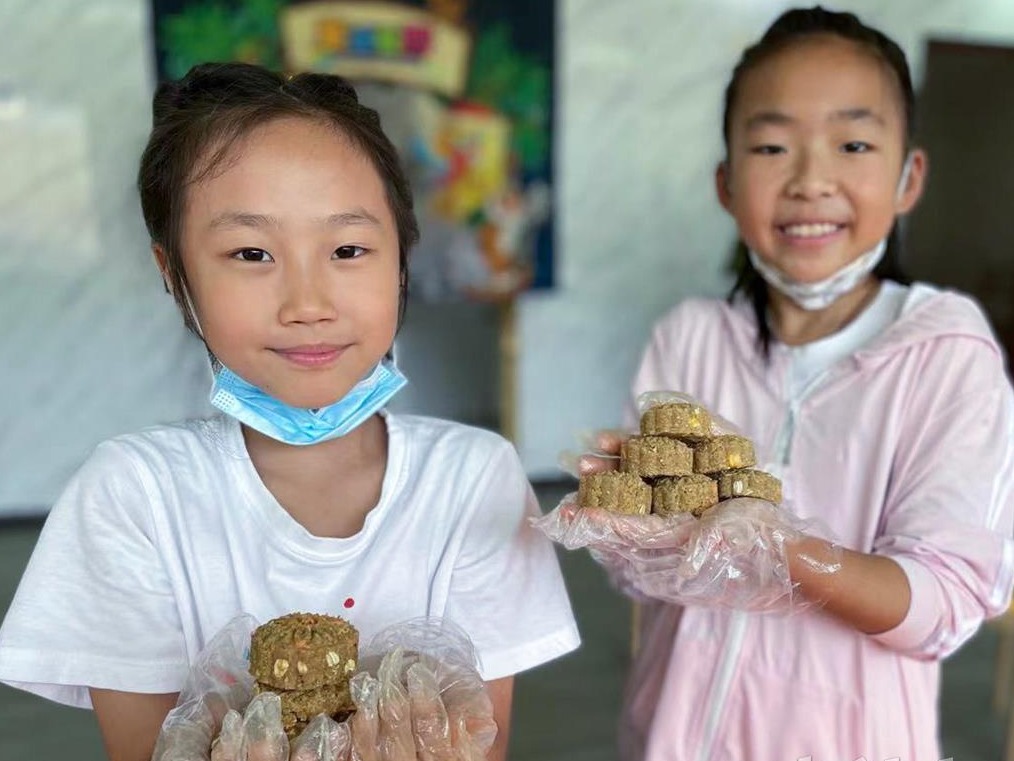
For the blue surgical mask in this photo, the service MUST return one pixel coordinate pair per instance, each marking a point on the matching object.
(294, 425)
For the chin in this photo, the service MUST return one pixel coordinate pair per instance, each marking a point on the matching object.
(807, 274)
(313, 401)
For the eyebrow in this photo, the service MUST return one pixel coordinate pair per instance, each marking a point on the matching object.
(780, 119)
(768, 118)
(357, 216)
(857, 115)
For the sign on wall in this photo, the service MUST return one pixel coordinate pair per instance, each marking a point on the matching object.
(463, 88)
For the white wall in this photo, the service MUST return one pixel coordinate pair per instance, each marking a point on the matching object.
(90, 346)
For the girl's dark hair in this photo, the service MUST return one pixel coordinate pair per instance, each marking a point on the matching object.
(198, 119)
(789, 28)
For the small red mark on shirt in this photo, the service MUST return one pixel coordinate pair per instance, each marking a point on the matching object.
(349, 602)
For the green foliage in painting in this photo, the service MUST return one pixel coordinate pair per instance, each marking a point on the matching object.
(217, 30)
(517, 86)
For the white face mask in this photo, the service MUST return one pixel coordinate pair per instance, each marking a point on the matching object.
(820, 295)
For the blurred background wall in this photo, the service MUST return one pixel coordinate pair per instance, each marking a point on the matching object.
(91, 346)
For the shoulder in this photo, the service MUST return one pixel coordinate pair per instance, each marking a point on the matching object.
(942, 346)
(153, 453)
(701, 316)
(698, 327)
(935, 322)
(461, 457)
(442, 436)
(945, 311)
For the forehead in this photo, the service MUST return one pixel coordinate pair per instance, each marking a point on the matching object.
(818, 76)
(288, 164)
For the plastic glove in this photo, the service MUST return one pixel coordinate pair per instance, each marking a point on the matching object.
(218, 683)
(733, 556)
(396, 741)
(229, 743)
(263, 736)
(424, 700)
(429, 685)
(430, 725)
(364, 724)
(324, 739)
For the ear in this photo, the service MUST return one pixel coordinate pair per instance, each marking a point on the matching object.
(161, 261)
(910, 193)
(722, 185)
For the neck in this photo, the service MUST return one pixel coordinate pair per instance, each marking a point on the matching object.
(795, 326)
(365, 444)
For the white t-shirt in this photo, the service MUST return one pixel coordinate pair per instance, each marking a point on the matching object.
(164, 536)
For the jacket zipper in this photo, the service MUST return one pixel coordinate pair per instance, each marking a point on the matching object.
(720, 692)
(737, 624)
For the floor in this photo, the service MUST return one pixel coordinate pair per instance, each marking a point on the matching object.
(564, 711)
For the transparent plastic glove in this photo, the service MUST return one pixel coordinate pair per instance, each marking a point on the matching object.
(217, 716)
(469, 712)
(217, 683)
(396, 741)
(600, 452)
(263, 736)
(324, 739)
(421, 692)
(364, 724)
(449, 714)
(734, 556)
(229, 743)
(430, 725)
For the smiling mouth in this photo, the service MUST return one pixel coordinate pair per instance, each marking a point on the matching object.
(810, 229)
(314, 355)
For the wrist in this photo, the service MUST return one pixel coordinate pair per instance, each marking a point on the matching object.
(814, 566)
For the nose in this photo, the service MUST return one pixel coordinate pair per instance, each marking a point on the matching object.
(812, 177)
(305, 295)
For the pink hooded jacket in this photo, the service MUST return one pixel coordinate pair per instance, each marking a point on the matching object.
(905, 450)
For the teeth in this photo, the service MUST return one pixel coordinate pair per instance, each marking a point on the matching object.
(810, 231)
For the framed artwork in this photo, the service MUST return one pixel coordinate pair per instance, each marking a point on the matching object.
(464, 89)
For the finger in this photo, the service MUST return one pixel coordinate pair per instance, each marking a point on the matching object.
(429, 717)
(593, 463)
(393, 707)
(579, 465)
(604, 441)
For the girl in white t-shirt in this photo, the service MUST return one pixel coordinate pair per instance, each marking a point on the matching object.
(281, 222)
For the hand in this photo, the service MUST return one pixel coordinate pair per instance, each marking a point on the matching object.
(602, 453)
(417, 708)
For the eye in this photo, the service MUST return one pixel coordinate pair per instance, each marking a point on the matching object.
(856, 146)
(767, 150)
(348, 252)
(252, 255)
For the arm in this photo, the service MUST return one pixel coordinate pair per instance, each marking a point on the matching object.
(501, 692)
(868, 592)
(943, 559)
(130, 722)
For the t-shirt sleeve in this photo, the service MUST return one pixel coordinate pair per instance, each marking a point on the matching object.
(95, 607)
(506, 589)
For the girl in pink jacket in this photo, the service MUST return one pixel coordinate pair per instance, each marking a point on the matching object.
(884, 407)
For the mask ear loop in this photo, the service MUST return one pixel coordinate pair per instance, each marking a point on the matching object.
(906, 170)
(216, 366)
(402, 305)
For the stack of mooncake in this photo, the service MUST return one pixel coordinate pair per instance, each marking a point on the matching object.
(677, 465)
(308, 660)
